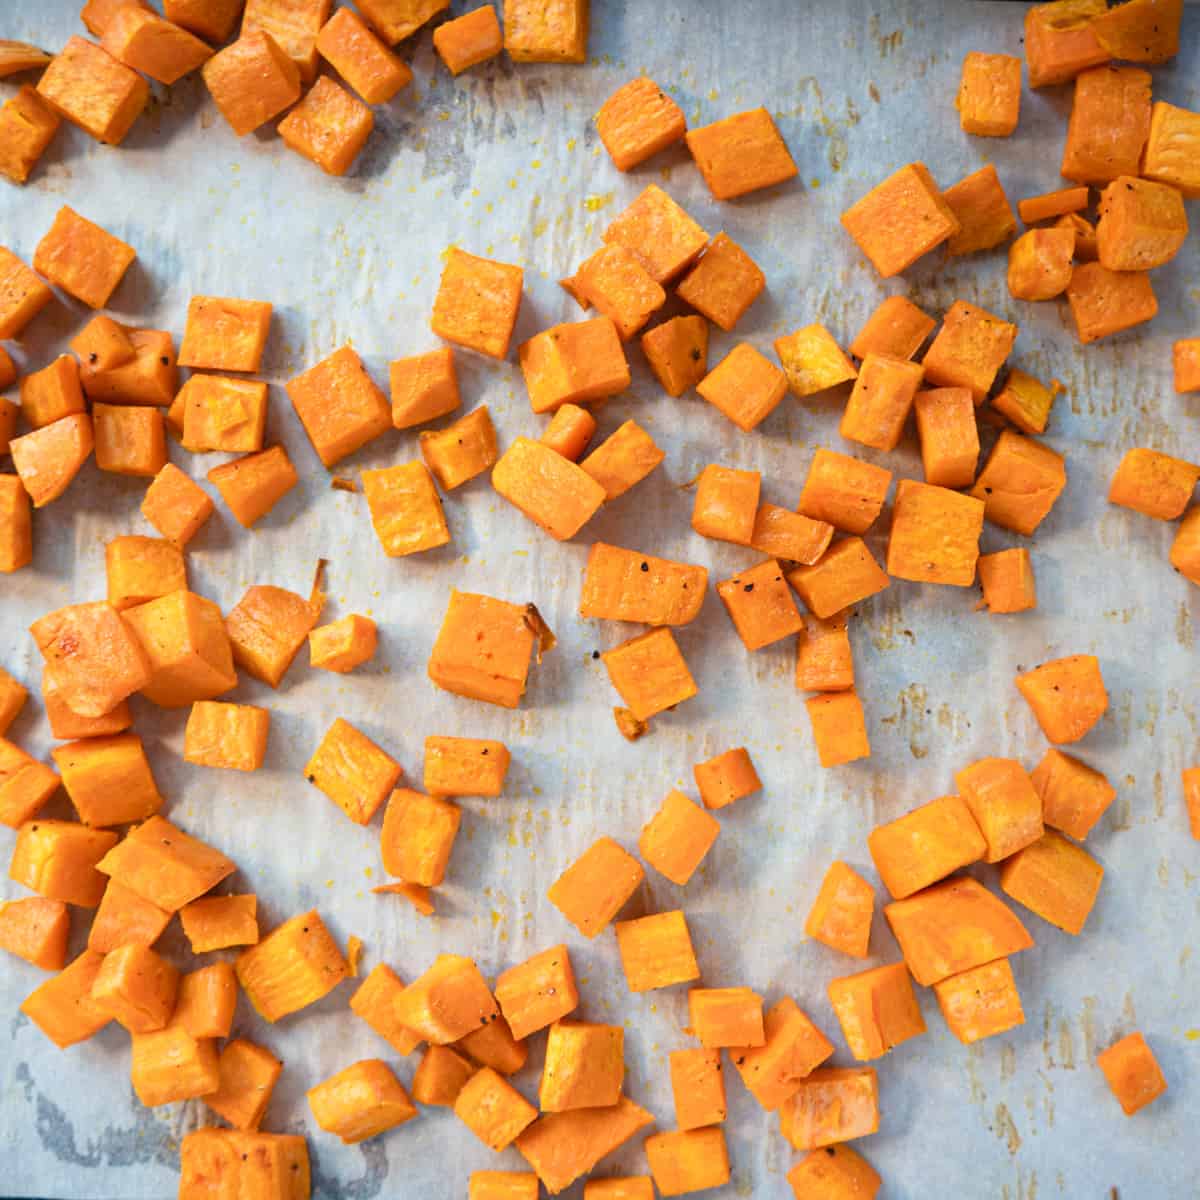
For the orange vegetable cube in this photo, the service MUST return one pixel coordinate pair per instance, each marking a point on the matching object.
(745, 386)
(222, 413)
(677, 351)
(896, 329)
(622, 585)
(247, 1161)
(176, 506)
(226, 735)
(1073, 795)
(397, 19)
(793, 1047)
(360, 1102)
(123, 918)
(343, 645)
(218, 922)
(59, 860)
(726, 1017)
(129, 440)
(1142, 224)
(374, 1003)
(824, 658)
(295, 965)
(1185, 550)
(47, 460)
(62, 1007)
(440, 1076)
(784, 534)
(900, 219)
(25, 785)
(969, 350)
(812, 360)
(1054, 878)
(596, 886)
(982, 1002)
(424, 387)
(623, 459)
(89, 87)
(650, 673)
(482, 649)
(954, 926)
(760, 604)
(677, 838)
(553, 492)
(1105, 302)
(880, 401)
(989, 94)
(877, 1010)
(457, 766)
(469, 40)
(726, 505)
(141, 569)
(659, 232)
(1006, 578)
(251, 486)
(1186, 359)
(52, 393)
(832, 1105)
(538, 992)
(146, 42)
(406, 510)
(12, 699)
(418, 836)
(339, 405)
(27, 127)
(741, 154)
(36, 930)
(352, 771)
(266, 629)
(688, 1160)
(1020, 483)
(81, 258)
(206, 1001)
(462, 450)
(248, 1074)
(1170, 153)
(637, 121)
(1109, 126)
(293, 24)
(108, 779)
(656, 951)
(252, 81)
(212, 20)
(844, 575)
(569, 431)
(614, 282)
(574, 363)
(504, 1185)
(1067, 696)
(584, 1068)
(1060, 40)
(477, 303)
(493, 1045)
(1025, 401)
(150, 377)
(1132, 1072)
(94, 658)
(834, 1173)
(329, 126)
(844, 491)
(492, 1109)
(1153, 484)
(698, 1084)
(935, 534)
(723, 284)
(448, 1002)
(361, 59)
(839, 727)
(727, 778)
(841, 914)
(136, 988)
(22, 294)
(546, 30)
(949, 436)
(1040, 263)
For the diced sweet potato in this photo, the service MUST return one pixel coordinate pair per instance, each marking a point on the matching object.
(251, 81)
(1109, 126)
(1067, 696)
(841, 914)
(1020, 483)
(27, 127)
(637, 121)
(659, 232)
(296, 964)
(91, 89)
(740, 154)
(1132, 1072)
(1054, 878)
(877, 1010)
(989, 94)
(361, 59)
(981, 1002)
(594, 888)
(656, 951)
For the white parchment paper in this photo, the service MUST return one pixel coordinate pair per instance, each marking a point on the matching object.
(504, 162)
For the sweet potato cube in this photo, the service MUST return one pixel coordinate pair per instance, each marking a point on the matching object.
(52, 393)
(150, 377)
(477, 303)
(596, 886)
(103, 344)
(503, 1185)
(457, 454)
(361, 59)
(294, 26)
(457, 766)
(129, 440)
(374, 1003)
(574, 363)
(1040, 263)
(741, 154)
(296, 964)
(329, 126)
(989, 94)
(900, 219)
(492, 1109)
(896, 329)
(677, 838)
(553, 492)
(844, 575)
(12, 699)
(248, 1074)
(1105, 302)
(745, 386)
(212, 20)
(251, 486)
(469, 40)
(981, 1002)
(406, 510)
(36, 930)
(339, 405)
(832, 1105)
(1132, 1072)
(623, 459)
(723, 284)
(1109, 125)
(1073, 795)
(266, 629)
(1025, 401)
(622, 585)
(656, 951)
(424, 387)
(839, 727)
(440, 1076)
(1170, 153)
(925, 845)
(1153, 484)
(25, 785)
(677, 351)
(727, 778)
(1054, 878)
(27, 127)
(146, 42)
(1067, 696)
(877, 1010)
(1185, 550)
(218, 922)
(659, 232)
(207, 1001)
(95, 659)
(538, 992)
(935, 534)
(1007, 581)
(448, 1002)
(841, 914)
(880, 401)
(226, 735)
(397, 19)
(124, 918)
(1060, 40)
(844, 491)
(546, 30)
(688, 1160)
(22, 294)
(165, 865)
(59, 860)
(952, 927)
(89, 87)
(418, 836)
(569, 431)
(760, 604)
(824, 658)
(1142, 224)
(249, 1161)
(650, 673)
(108, 779)
(969, 349)
(1185, 356)
(813, 361)
(614, 282)
(136, 988)
(223, 413)
(784, 534)
(47, 460)
(493, 1045)
(949, 436)
(584, 1068)
(81, 258)
(698, 1084)
(141, 569)
(343, 645)
(352, 771)
(637, 121)
(982, 210)
(482, 649)
(726, 505)
(360, 1102)
(62, 1007)
(793, 1046)
(1020, 483)
(726, 1017)
(8, 408)
(251, 81)
(835, 1173)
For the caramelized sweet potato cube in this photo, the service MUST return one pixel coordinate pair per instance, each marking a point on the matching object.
(949, 436)
(622, 585)
(129, 440)
(723, 284)
(493, 1109)
(146, 42)
(1170, 153)
(141, 569)
(1054, 878)
(880, 401)
(36, 930)
(397, 19)
(246, 1159)
(660, 233)
(27, 127)
(493, 1045)
(477, 303)
(1040, 263)
(925, 845)
(1154, 484)
(206, 1001)
(59, 860)
(448, 1002)
(361, 59)
(832, 1105)
(293, 24)
(22, 294)
(223, 413)
(698, 1084)
(1073, 795)
(1142, 224)
(677, 351)
(569, 431)
(251, 81)
(813, 361)
(339, 405)
(1002, 799)
(740, 154)
(688, 1160)
(584, 1068)
(989, 94)
(1132, 1072)
(81, 258)
(458, 766)
(726, 505)
(1006, 578)
(25, 785)
(656, 951)
(760, 604)
(360, 1102)
(482, 649)
(836, 1172)
(784, 534)
(935, 534)
(793, 1046)
(637, 121)
(329, 126)
(108, 779)
(596, 886)
(623, 459)
(52, 393)
(1025, 401)
(352, 771)
(150, 377)
(1067, 696)
(614, 282)
(295, 965)
(1105, 302)
(125, 917)
(424, 387)
(677, 838)
(841, 914)
(62, 1007)
(650, 673)
(983, 213)
(248, 1074)
(405, 509)
(165, 865)
(538, 992)
(877, 1010)
(457, 454)
(574, 363)
(266, 629)
(969, 350)
(440, 1076)
(218, 922)
(1020, 483)
(1060, 40)
(839, 727)
(343, 645)
(981, 1002)
(1109, 126)
(212, 20)
(844, 575)
(844, 491)
(469, 40)
(85, 84)
(553, 492)
(546, 30)
(745, 386)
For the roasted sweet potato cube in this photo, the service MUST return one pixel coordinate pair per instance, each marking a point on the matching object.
(1105, 302)
(469, 40)
(812, 360)
(141, 569)
(723, 284)
(136, 987)
(935, 534)
(989, 94)
(569, 431)
(877, 1010)
(294, 26)
(574, 363)
(212, 20)
(226, 735)
(760, 604)
(418, 836)
(206, 1001)
(836, 1172)
(546, 30)
(659, 232)
(361, 59)
(59, 860)
(85, 84)
(1020, 483)
(1185, 550)
(897, 329)
(62, 1007)
(656, 951)
(397, 19)
(677, 351)
(339, 405)
(841, 914)
(637, 121)
(824, 658)
(406, 510)
(218, 922)
(1132, 1072)
(745, 386)
(266, 629)
(844, 575)
(22, 294)
(839, 727)
(457, 454)
(595, 887)
(150, 377)
(504, 1185)
(36, 930)
(373, 1002)
(66, 725)
(1186, 359)
(584, 1068)
(969, 349)
(13, 695)
(52, 393)
(622, 585)
(1054, 878)
(981, 1002)
(143, 40)
(788, 535)
(1060, 40)
(723, 1017)
(440, 1076)
(677, 838)
(493, 1109)
(253, 485)
(1109, 126)
(1002, 799)
(844, 491)
(615, 283)
(329, 126)
(343, 645)
(982, 210)
(832, 1105)
(1154, 484)
(623, 459)
(949, 436)
(352, 771)
(698, 1084)
(538, 992)
(458, 766)
(1067, 696)
(688, 1160)
(793, 1046)
(726, 505)
(1073, 795)
(81, 258)
(1062, 202)
(1040, 263)
(27, 127)
(477, 303)
(108, 779)
(1170, 153)
(251, 1157)
(650, 673)
(251, 81)
(424, 387)
(741, 154)
(296, 964)
(129, 439)
(563, 1146)
(446, 1003)
(25, 785)
(553, 492)
(1142, 224)
(124, 917)
(493, 1045)
(1006, 578)
(224, 334)
(248, 1074)
(880, 401)
(1026, 401)
(482, 649)
(360, 1102)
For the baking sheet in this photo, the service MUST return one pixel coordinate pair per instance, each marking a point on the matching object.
(504, 162)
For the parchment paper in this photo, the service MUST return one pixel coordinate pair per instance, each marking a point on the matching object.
(504, 162)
